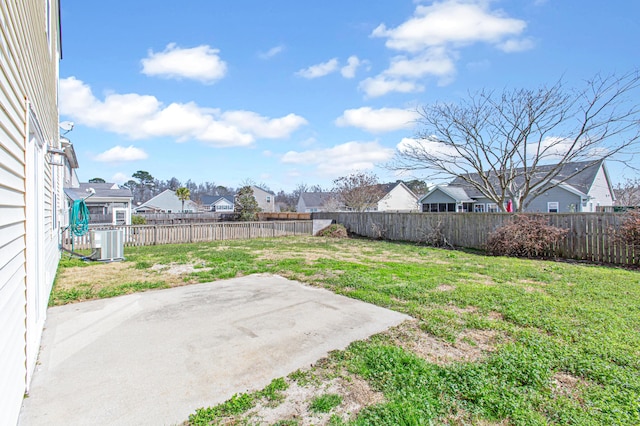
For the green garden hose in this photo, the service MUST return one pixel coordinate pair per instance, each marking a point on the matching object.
(79, 218)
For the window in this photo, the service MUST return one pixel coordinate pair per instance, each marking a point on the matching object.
(268, 198)
(553, 207)
(478, 208)
(438, 207)
(492, 208)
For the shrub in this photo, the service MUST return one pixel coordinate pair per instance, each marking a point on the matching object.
(435, 237)
(629, 231)
(525, 236)
(333, 231)
(138, 220)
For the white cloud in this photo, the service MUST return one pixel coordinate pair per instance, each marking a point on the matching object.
(119, 153)
(432, 39)
(140, 117)
(516, 45)
(429, 146)
(120, 178)
(353, 63)
(272, 52)
(341, 159)
(378, 120)
(319, 70)
(381, 85)
(201, 63)
(434, 61)
(275, 128)
(554, 148)
(452, 22)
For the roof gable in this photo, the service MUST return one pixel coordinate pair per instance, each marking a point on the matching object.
(456, 193)
(579, 175)
(216, 199)
(316, 199)
(400, 186)
(167, 200)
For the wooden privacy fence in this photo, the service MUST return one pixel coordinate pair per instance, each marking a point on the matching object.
(148, 235)
(591, 236)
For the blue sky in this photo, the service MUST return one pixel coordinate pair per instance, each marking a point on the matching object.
(288, 92)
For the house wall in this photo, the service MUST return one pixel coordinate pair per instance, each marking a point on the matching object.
(564, 198)
(266, 201)
(301, 207)
(398, 199)
(222, 205)
(437, 196)
(30, 191)
(600, 191)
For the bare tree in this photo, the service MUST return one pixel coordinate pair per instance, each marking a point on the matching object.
(513, 145)
(628, 193)
(358, 191)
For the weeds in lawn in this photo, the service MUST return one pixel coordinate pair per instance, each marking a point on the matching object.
(325, 403)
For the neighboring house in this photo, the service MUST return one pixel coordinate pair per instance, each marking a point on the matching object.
(108, 204)
(266, 199)
(217, 203)
(397, 197)
(588, 191)
(31, 196)
(311, 202)
(167, 202)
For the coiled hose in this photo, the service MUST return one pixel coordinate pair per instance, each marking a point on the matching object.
(79, 218)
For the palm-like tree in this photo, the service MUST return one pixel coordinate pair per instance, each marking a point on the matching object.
(183, 194)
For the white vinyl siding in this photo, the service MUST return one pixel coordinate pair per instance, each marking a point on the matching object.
(600, 190)
(28, 81)
(400, 198)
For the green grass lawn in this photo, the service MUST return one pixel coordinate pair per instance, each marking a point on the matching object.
(567, 351)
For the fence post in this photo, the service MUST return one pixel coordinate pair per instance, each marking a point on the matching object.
(155, 234)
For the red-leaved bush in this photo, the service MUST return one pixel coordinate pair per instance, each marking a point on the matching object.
(525, 236)
(629, 231)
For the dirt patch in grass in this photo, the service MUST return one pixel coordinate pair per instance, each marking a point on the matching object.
(566, 385)
(461, 311)
(101, 279)
(310, 256)
(178, 268)
(470, 346)
(445, 287)
(496, 316)
(355, 392)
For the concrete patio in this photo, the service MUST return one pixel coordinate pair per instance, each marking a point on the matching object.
(152, 358)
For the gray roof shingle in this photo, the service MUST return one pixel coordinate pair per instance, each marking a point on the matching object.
(102, 190)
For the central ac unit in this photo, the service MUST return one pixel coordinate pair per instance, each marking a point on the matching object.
(107, 244)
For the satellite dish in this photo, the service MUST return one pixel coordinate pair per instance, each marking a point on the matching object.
(67, 126)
